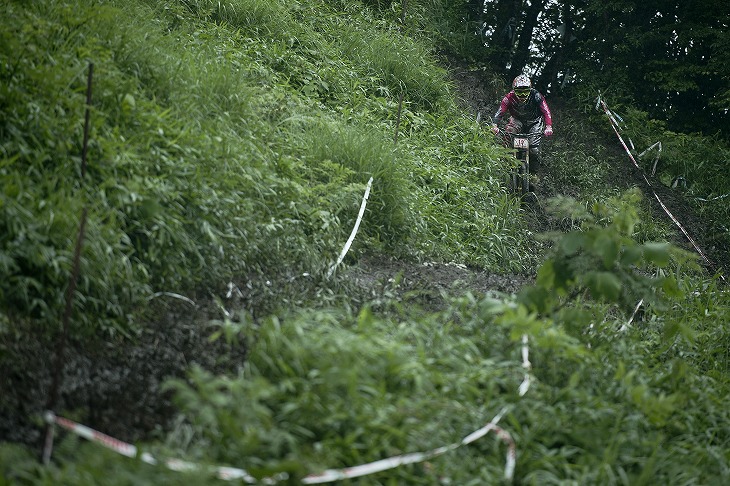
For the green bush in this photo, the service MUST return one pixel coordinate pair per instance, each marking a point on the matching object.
(233, 140)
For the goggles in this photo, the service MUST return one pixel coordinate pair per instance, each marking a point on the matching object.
(522, 91)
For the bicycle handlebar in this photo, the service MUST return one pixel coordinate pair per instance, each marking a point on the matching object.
(505, 132)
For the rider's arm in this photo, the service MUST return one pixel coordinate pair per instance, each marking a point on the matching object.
(546, 116)
(546, 112)
(503, 107)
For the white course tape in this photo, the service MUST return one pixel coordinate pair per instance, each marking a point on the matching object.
(354, 230)
(130, 450)
(657, 145)
(393, 462)
(525, 385)
(174, 295)
(231, 473)
(712, 198)
(631, 319)
(615, 126)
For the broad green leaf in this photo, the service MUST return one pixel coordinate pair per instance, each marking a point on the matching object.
(631, 255)
(536, 299)
(604, 285)
(671, 287)
(557, 275)
(546, 274)
(606, 247)
(572, 242)
(657, 253)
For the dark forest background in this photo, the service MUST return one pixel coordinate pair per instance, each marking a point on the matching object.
(669, 58)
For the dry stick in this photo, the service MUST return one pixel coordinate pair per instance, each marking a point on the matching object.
(59, 361)
(397, 122)
(400, 100)
(85, 148)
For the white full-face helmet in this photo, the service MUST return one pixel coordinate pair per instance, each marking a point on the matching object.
(522, 87)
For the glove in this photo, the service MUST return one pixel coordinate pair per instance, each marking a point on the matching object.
(548, 131)
(495, 129)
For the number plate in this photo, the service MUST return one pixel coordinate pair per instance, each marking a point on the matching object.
(521, 143)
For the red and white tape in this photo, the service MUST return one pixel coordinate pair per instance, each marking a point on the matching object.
(327, 476)
(615, 125)
(129, 450)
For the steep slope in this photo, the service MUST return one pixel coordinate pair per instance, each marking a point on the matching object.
(576, 133)
(121, 384)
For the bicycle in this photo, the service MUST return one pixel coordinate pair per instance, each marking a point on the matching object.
(519, 177)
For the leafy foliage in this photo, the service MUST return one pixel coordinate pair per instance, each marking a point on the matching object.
(233, 140)
(605, 261)
(667, 58)
(331, 389)
(692, 164)
(697, 160)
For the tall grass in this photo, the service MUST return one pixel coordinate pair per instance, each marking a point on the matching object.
(232, 140)
(698, 159)
(401, 66)
(196, 172)
(363, 154)
(331, 389)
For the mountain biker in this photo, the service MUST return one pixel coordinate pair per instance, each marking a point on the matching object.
(529, 113)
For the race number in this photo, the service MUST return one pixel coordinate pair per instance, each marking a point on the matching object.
(521, 143)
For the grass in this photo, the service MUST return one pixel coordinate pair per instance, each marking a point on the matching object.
(233, 141)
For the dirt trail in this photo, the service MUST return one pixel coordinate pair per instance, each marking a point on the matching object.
(116, 388)
(481, 93)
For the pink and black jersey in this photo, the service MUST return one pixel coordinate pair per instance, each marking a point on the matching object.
(528, 112)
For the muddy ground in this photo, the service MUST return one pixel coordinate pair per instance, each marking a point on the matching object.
(115, 387)
(482, 93)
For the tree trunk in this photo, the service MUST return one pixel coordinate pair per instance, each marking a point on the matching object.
(548, 80)
(505, 14)
(522, 53)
